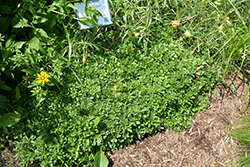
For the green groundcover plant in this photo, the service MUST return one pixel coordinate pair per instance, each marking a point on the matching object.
(109, 101)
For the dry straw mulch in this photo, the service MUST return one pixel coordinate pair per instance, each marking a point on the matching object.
(203, 144)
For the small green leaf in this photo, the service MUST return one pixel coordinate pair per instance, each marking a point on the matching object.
(42, 49)
(18, 25)
(40, 19)
(86, 21)
(22, 23)
(101, 160)
(97, 13)
(42, 33)
(29, 71)
(70, 5)
(95, 22)
(9, 119)
(96, 120)
(19, 44)
(34, 43)
(88, 10)
(8, 44)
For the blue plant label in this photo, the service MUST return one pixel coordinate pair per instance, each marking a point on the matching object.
(102, 6)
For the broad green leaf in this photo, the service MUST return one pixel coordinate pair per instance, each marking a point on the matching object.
(40, 19)
(101, 160)
(4, 128)
(70, 5)
(42, 33)
(4, 9)
(5, 87)
(52, 22)
(9, 119)
(42, 49)
(18, 25)
(19, 44)
(8, 44)
(34, 43)
(3, 101)
(97, 13)
(86, 21)
(88, 11)
(28, 71)
(4, 24)
(6, 54)
(18, 95)
(95, 23)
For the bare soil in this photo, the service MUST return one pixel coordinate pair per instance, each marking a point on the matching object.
(206, 143)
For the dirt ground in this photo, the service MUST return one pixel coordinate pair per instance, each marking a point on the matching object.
(203, 144)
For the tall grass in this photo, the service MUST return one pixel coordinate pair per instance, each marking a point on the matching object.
(242, 134)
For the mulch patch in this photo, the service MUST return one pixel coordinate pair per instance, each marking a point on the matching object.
(203, 144)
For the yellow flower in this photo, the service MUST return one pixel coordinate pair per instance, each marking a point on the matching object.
(26, 78)
(117, 94)
(137, 34)
(187, 34)
(175, 23)
(115, 87)
(43, 77)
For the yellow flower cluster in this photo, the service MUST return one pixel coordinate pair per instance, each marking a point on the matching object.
(42, 77)
(116, 90)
